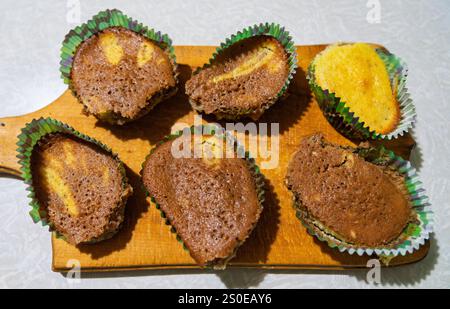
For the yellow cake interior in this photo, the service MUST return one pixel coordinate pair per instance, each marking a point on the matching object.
(145, 53)
(263, 55)
(54, 170)
(114, 52)
(356, 74)
(111, 47)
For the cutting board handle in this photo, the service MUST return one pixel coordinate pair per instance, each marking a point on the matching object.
(9, 130)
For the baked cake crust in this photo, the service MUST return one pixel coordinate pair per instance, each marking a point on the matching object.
(120, 75)
(354, 200)
(212, 203)
(81, 187)
(243, 81)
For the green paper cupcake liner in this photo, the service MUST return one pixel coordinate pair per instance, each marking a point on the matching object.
(345, 121)
(29, 137)
(273, 30)
(412, 237)
(240, 151)
(108, 19)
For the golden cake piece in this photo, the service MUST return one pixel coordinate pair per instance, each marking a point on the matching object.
(358, 76)
(80, 187)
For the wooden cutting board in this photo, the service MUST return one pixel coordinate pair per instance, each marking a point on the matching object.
(145, 242)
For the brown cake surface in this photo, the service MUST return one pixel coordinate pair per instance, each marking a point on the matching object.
(242, 81)
(360, 202)
(80, 186)
(119, 75)
(212, 203)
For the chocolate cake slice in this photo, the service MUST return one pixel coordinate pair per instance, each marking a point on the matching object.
(81, 188)
(119, 75)
(213, 203)
(339, 193)
(243, 81)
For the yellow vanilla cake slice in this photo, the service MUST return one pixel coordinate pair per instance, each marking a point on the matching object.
(358, 76)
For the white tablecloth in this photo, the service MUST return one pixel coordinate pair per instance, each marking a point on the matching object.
(30, 38)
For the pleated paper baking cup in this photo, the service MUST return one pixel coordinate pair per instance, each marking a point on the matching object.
(412, 237)
(109, 19)
(347, 122)
(273, 30)
(29, 138)
(240, 150)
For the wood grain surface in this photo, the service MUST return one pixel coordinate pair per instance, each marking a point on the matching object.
(278, 242)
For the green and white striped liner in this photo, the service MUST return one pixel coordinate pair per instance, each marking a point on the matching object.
(349, 124)
(240, 151)
(29, 137)
(413, 236)
(274, 30)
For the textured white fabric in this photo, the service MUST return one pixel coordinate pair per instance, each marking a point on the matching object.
(418, 31)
